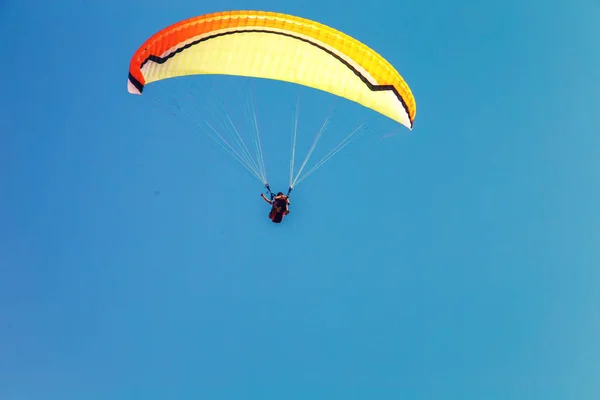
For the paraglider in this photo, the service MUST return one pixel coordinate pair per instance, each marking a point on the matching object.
(269, 45)
(280, 205)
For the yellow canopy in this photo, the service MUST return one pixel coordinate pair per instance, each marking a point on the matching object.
(274, 46)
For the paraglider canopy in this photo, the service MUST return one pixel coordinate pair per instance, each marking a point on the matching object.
(274, 46)
(269, 45)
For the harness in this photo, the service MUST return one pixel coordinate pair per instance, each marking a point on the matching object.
(272, 195)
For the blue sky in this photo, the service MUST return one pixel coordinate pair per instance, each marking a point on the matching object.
(460, 260)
